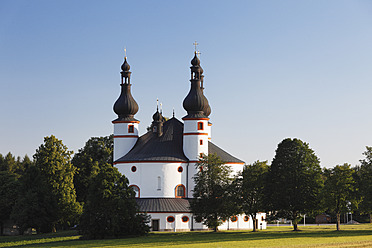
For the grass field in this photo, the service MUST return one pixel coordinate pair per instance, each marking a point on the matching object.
(309, 236)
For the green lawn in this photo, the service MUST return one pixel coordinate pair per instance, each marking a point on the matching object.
(309, 236)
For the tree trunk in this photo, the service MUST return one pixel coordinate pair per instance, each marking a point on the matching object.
(295, 228)
(254, 223)
(1, 228)
(370, 218)
(338, 221)
(215, 229)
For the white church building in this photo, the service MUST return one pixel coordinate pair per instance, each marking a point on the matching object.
(160, 165)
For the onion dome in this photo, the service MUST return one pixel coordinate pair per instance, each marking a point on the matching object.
(125, 66)
(207, 110)
(195, 61)
(157, 124)
(157, 117)
(125, 106)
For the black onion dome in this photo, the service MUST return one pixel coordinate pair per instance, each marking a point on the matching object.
(195, 61)
(125, 106)
(125, 66)
(157, 117)
(195, 102)
(201, 70)
(207, 109)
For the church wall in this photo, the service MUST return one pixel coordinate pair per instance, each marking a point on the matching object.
(123, 139)
(179, 225)
(155, 179)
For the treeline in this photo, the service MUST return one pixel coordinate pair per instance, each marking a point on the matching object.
(56, 190)
(292, 186)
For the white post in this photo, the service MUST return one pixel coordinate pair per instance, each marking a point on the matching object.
(304, 219)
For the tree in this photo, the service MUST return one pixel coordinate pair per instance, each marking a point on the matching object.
(8, 194)
(252, 189)
(97, 151)
(53, 160)
(111, 209)
(365, 182)
(213, 194)
(338, 190)
(36, 205)
(294, 180)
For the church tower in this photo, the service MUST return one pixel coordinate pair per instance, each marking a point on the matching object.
(125, 126)
(195, 134)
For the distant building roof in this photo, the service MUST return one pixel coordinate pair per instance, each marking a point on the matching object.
(168, 147)
(163, 205)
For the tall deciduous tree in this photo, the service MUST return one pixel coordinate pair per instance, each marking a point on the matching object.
(213, 194)
(252, 189)
(97, 151)
(338, 192)
(54, 161)
(294, 180)
(9, 187)
(365, 182)
(36, 206)
(111, 209)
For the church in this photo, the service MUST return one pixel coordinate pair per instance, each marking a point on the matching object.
(160, 165)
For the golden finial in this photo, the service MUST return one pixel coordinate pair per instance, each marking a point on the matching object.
(125, 52)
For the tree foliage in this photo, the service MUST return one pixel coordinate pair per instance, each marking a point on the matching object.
(54, 161)
(294, 180)
(9, 187)
(339, 190)
(111, 209)
(365, 182)
(213, 194)
(97, 151)
(252, 189)
(36, 205)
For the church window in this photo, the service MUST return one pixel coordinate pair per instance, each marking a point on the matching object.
(159, 183)
(185, 219)
(262, 218)
(234, 219)
(246, 218)
(170, 219)
(133, 169)
(200, 126)
(180, 169)
(180, 191)
(131, 129)
(201, 142)
(136, 190)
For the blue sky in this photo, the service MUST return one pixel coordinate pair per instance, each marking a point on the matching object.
(273, 69)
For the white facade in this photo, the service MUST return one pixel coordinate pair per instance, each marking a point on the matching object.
(195, 138)
(186, 222)
(125, 137)
(156, 180)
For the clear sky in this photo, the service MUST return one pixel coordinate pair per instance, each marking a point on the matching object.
(273, 69)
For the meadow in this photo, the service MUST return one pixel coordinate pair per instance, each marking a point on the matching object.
(309, 236)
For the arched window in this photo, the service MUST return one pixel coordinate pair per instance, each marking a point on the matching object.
(180, 191)
(200, 126)
(136, 189)
(130, 128)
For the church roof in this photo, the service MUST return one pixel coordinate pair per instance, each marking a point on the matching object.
(163, 205)
(168, 147)
(150, 147)
(213, 149)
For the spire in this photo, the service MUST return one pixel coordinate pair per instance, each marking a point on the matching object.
(195, 103)
(125, 106)
(157, 123)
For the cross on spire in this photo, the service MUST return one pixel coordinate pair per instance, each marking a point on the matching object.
(198, 53)
(125, 52)
(195, 44)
